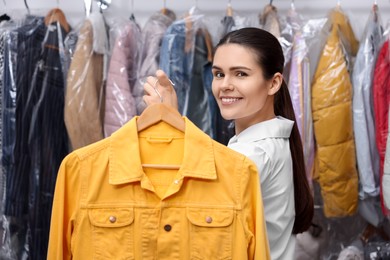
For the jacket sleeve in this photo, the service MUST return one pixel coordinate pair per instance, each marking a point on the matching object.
(64, 209)
(253, 211)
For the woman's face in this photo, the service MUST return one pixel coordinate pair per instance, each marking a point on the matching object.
(241, 91)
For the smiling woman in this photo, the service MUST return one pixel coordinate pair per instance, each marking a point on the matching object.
(251, 91)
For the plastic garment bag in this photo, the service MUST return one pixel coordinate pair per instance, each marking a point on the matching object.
(381, 96)
(186, 58)
(335, 161)
(386, 174)
(300, 88)
(152, 34)
(363, 114)
(269, 20)
(84, 98)
(48, 139)
(120, 105)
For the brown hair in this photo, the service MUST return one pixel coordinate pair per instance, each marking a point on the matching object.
(270, 57)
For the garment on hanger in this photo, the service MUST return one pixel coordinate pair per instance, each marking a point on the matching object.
(335, 161)
(120, 105)
(84, 99)
(300, 90)
(211, 207)
(189, 66)
(385, 185)
(363, 114)
(269, 20)
(152, 34)
(47, 139)
(381, 98)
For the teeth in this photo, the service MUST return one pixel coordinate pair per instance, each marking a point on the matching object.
(229, 100)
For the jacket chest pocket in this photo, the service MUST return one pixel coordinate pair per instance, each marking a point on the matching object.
(210, 233)
(112, 233)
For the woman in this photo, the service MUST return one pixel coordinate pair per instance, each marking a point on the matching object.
(249, 88)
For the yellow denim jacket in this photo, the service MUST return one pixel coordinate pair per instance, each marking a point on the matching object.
(107, 206)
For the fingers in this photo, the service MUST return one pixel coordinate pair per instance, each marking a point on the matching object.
(159, 89)
(163, 79)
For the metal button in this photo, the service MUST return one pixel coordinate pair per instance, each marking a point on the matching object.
(176, 181)
(112, 219)
(167, 228)
(209, 219)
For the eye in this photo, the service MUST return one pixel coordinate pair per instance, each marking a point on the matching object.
(218, 74)
(241, 74)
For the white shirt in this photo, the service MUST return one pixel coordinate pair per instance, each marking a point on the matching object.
(267, 144)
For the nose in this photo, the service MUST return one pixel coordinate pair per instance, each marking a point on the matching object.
(226, 84)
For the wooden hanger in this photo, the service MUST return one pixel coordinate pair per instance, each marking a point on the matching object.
(229, 9)
(160, 112)
(55, 15)
(154, 114)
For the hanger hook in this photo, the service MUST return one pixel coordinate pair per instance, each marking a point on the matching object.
(338, 3)
(292, 5)
(28, 9)
(270, 2)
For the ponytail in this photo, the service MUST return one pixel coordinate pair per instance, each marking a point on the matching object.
(304, 205)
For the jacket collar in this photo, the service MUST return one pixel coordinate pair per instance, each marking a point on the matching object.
(125, 162)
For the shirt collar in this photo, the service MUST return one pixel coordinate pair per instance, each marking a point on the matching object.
(278, 127)
(125, 162)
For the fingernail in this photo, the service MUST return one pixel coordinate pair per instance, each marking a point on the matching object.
(173, 84)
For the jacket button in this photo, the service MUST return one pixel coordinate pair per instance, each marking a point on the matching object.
(167, 228)
(209, 219)
(112, 219)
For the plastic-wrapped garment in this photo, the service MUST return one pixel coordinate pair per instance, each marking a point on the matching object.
(48, 139)
(363, 114)
(22, 50)
(269, 20)
(335, 162)
(120, 104)
(186, 58)
(152, 35)
(381, 95)
(6, 251)
(386, 173)
(84, 99)
(300, 92)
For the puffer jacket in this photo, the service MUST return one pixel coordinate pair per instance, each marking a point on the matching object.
(335, 162)
(120, 104)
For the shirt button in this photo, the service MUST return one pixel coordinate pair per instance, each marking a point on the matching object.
(176, 181)
(167, 228)
(112, 219)
(209, 219)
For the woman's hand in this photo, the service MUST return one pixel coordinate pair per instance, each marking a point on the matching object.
(160, 89)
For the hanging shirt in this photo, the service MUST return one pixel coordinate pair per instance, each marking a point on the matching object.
(107, 206)
(267, 144)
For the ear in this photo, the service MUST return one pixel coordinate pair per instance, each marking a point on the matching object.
(276, 83)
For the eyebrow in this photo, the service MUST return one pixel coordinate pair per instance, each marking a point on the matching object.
(232, 68)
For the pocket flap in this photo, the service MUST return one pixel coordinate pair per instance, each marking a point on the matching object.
(111, 217)
(210, 217)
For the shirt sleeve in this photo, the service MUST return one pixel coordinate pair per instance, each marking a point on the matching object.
(254, 212)
(64, 208)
